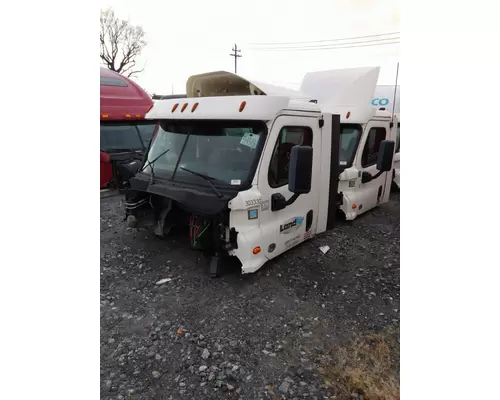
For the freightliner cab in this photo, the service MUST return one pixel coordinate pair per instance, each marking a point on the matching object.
(254, 170)
(125, 134)
(384, 98)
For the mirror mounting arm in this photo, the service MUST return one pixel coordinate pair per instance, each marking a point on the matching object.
(292, 199)
(377, 174)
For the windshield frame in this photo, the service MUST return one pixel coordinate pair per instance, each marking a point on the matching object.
(245, 184)
(133, 124)
(350, 162)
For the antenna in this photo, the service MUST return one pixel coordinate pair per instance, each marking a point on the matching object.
(395, 92)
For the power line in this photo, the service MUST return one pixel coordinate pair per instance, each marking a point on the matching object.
(327, 40)
(321, 46)
(326, 48)
(235, 55)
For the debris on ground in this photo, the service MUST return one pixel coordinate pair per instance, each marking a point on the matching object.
(324, 249)
(162, 281)
(275, 334)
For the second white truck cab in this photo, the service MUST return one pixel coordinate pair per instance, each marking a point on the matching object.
(389, 99)
(253, 170)
(359, 183)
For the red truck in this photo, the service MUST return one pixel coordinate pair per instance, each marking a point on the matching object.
(125, 134)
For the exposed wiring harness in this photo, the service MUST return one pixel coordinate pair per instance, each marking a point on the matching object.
(195, 226)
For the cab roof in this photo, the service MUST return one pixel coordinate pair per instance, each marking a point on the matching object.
(224, 95)
(122, 98)
(261, 108)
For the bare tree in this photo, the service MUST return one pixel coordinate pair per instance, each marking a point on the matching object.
(121, 43)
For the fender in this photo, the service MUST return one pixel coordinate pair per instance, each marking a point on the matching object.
(346, 207)
(250, 233)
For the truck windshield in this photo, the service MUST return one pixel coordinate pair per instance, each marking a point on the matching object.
(123, 136)
(349, 139)
(223, 150)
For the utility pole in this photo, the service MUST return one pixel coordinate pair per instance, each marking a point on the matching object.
(236, 55)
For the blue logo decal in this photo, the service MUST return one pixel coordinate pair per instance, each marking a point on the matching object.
(291, 225)
(383, 101)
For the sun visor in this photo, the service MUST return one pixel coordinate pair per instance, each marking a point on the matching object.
(223, 83)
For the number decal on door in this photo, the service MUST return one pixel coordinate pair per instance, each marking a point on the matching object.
(252, 203)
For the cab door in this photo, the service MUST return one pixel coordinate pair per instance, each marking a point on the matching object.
(292, 225)
(372, 192)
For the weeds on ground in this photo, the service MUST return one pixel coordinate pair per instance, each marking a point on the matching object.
(367, 366)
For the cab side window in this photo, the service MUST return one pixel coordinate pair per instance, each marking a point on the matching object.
(288, 137)
(372, 146)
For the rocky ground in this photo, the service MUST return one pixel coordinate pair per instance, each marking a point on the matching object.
(256, 336)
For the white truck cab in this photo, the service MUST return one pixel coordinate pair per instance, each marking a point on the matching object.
(253, 169)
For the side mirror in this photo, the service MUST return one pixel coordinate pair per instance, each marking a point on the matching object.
(385, 155)
(300, 170)
(366, 177)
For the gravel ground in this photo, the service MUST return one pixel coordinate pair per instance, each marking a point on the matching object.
(238, 336)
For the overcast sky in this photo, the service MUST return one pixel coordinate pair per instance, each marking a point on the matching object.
(187, 37)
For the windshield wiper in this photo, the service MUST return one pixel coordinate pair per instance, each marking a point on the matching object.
(209, 179)
(150, 163)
